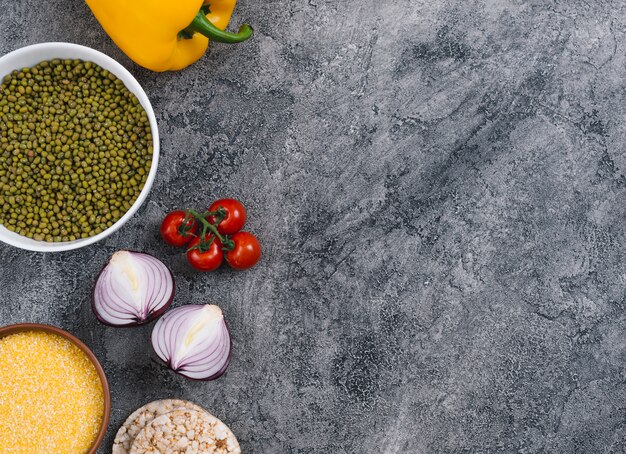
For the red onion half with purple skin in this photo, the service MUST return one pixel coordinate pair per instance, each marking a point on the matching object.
(132, 289)
(193, 341)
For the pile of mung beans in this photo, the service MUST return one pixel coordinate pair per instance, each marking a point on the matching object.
(75, 150)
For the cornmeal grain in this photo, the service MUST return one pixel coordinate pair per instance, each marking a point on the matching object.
(51, 398)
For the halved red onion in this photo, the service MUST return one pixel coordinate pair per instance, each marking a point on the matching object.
(193, 341)
(132, 289)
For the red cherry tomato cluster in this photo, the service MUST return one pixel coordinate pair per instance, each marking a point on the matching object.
(213, 236)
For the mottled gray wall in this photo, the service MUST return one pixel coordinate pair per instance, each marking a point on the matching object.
(438, 187)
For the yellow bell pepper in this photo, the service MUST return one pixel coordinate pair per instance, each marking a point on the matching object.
(166, 35)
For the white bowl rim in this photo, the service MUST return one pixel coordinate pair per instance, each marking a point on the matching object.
(127, 78)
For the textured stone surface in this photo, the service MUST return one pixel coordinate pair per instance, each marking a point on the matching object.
(438, 186)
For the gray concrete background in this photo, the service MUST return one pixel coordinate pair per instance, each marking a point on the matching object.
(438, 187)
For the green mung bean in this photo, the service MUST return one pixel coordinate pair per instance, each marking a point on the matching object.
(75, 150)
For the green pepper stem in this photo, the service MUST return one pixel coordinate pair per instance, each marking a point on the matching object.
(204, 26)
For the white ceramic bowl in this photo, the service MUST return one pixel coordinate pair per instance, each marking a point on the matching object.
(31, 55)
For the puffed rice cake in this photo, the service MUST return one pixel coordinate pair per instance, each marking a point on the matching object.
(142, 417)
(186, 432)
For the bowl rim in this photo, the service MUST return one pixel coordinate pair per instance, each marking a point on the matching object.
(22, 327)
(121, 73)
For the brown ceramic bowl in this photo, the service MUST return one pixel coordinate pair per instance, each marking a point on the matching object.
(11, 329)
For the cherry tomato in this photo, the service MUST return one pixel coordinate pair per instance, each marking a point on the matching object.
(246, 253)
(235, 216)
(205, 258)
(177, 229)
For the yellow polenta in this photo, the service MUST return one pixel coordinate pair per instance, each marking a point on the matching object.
(51, 398)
